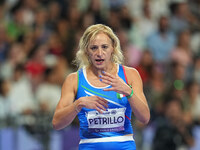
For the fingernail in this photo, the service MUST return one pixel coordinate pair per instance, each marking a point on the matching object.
(103, 72)
(100, 76)
(100, 79)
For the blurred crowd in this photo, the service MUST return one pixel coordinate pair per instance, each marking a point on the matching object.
(160, 38)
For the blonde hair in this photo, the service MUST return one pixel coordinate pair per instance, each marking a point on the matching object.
(82, 59)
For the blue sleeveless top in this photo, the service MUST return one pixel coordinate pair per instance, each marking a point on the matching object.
(113, 122)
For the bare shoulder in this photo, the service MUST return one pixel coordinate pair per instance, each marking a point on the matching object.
(72, 80)
(72, 76)
(131, 71)
(68, 90)
(132, 74)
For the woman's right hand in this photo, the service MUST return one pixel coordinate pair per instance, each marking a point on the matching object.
(92, 102)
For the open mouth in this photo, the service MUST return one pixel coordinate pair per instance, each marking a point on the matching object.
(99, 60)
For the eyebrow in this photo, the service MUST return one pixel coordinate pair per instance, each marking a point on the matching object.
(97, 45)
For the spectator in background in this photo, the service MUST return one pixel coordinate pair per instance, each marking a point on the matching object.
(195, 43)
(6, 112)
(129, 50)
(161, 42)
(182, 52)
(176, 76)
(155, 89)
(41, 28)
(21, 96)
(55, 44)
(126, 19)
(48, 92)
(14, 57)
(62, 29)
(15, 28)
(192, 101)
(3, 11)
(36, 65)
(145, 66)
(28, 43)
(194, 8)
(196, 69)
(87, 19)
(73, 17)
(157, 7)
(181, 17)
(96, 8)
(114, 21)
(146, 24)
(178, 21)
(28, 11)
(54, 10)
(62, 69)
(172, 132)
(4, 44)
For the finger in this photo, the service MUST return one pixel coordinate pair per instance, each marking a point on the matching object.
(103, 103)
(102, 99)
(107, 82)
(108, 74)
(109, 89)
(99, 110)
(101, 106)
(106, 78)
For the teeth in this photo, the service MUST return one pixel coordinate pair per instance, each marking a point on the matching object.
(99, 60)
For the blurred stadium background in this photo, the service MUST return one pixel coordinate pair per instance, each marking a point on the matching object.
(38, 42)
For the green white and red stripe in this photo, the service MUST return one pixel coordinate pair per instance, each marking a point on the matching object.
(120, 96)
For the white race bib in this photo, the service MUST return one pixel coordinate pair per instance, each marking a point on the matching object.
(111, 120)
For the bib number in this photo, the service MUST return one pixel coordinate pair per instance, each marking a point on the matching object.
(111, 120)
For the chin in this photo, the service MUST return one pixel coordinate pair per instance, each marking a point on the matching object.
(99, 67)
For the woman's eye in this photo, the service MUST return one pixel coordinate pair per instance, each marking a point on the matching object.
(93, 47)
(104, 46)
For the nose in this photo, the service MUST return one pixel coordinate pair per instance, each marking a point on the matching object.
(99, 52)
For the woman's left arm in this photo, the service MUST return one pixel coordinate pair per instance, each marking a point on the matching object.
(138, 100)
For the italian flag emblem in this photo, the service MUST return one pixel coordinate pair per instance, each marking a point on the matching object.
(120, 96)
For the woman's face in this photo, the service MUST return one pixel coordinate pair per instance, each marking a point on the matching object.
(100, 50)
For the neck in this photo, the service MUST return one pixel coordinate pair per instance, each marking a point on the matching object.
(110, 69)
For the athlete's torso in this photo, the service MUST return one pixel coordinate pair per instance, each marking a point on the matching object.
(113, 122)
